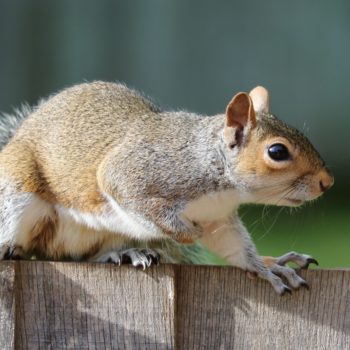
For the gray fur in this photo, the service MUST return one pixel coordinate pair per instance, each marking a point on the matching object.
(10, 122)
(104, 144)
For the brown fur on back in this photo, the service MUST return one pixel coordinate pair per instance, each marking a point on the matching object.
(83, 122)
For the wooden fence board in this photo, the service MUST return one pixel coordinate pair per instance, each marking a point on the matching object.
(7, 305)
(220, 308)
(94, 306)
(47, 305)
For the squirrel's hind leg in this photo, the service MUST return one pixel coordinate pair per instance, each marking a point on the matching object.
(21, 216)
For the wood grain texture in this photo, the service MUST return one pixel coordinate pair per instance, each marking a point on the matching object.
(94, 306)
(46, 305)
(220, 308)
(7, 305)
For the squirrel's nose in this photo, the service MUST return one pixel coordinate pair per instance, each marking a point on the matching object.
(326, 180)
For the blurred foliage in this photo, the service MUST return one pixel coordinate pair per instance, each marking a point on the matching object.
(196, 55)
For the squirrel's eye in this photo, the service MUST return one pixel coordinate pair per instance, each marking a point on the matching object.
(278, 152)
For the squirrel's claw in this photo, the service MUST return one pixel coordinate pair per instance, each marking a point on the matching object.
(137, 257)
(289, 274)
(286, 290)
(152, 254)
(305, 285)
(278, 267)
(13, 253)
(277, 277)
(302, 260)
(110, 257)
(140, 257)
(308, 262)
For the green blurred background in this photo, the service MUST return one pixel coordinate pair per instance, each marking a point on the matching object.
(195, 55)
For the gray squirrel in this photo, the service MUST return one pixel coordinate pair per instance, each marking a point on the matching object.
(98, 172)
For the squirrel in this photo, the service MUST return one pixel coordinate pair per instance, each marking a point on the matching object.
(98, 172)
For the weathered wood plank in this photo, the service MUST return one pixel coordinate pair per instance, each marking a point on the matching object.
(220, 308)
(7, 305)
(47, 305)
(94, 306)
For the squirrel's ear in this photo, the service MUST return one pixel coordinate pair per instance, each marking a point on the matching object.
(240, 118)
(260, 98)
(240, 112)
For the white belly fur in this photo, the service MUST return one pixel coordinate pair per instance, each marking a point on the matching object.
(113, 219)
(212, 207)
(77, 230)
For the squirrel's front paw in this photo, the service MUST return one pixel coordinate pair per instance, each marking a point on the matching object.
(277, 270)
(137, 257)
(302, 260)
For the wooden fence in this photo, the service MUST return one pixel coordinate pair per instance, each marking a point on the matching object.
(46, 305)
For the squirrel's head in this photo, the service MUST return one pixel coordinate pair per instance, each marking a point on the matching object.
(273, 163)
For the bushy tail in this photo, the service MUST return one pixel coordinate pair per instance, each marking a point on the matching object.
(10, 122)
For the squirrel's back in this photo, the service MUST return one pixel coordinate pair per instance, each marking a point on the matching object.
(103, 105)
(83, 122)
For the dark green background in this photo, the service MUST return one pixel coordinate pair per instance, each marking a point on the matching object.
(195, 55)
